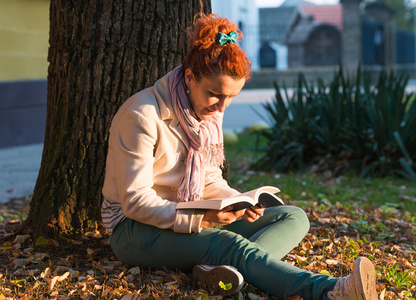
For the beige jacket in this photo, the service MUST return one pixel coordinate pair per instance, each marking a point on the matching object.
(146, 163)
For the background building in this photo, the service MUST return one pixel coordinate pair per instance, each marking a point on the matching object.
(324, 35)
(24, 35)
(310, 33)
(245, 14)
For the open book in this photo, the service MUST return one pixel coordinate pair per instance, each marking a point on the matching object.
(263, 196)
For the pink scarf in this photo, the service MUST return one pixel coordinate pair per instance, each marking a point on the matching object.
(205, 140)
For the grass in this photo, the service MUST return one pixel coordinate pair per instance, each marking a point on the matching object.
(388, 192)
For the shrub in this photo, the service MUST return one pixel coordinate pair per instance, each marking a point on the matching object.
(343, 127)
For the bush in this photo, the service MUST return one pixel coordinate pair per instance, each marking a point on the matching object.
(346, 126)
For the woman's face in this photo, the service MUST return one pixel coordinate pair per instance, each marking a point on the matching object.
(210, 95)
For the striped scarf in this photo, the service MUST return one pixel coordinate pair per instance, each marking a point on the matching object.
(205, 140)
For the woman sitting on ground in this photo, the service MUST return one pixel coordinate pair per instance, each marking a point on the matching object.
(166, 146)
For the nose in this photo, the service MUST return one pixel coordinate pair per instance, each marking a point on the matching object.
(221, 105)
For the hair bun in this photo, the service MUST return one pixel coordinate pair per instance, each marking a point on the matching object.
(206, 30)
(210, 56)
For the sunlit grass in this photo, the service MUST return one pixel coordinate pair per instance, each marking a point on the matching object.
(390, 192)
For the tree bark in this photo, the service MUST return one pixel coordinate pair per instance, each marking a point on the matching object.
(101, 52)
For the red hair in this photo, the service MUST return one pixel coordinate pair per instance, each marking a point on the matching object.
(207, 57)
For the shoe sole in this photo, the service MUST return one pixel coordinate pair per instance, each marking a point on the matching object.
(365, 279)
(211, 277)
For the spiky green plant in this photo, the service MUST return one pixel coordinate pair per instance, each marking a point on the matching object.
(347, 125)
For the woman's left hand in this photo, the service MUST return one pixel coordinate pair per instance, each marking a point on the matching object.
(253, 213)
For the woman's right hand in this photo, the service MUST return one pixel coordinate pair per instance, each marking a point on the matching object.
(226, 216)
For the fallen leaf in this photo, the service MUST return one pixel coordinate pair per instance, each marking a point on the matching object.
(120, 275)
(130, 297)
(38, 257)
(253, 296)
(300, 258)
(52, 282)
(40, 241)
(63, 277)
(33, 272)
(95, 234)
(46, 273)
(325, 220)
(331, 262)
(325, 272)
(225, 286)
(4, 248)
(114, 282)
(21, 239)
(201, 296)
(20, 262)
(135, 271)
(382, 294)
(20, 283)
(54, 243)
(74, 273)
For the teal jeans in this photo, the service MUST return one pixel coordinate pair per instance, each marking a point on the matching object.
(255, 249)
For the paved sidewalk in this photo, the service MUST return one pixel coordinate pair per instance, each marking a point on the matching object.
(19, 166)
(247, 109)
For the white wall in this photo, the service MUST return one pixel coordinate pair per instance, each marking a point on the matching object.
(24, 39)
(245, 13)
(282, 57)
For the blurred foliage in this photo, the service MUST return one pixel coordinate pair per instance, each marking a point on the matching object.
(347, 126)
(404, 12)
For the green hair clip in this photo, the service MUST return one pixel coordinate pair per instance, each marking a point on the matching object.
(227, 38)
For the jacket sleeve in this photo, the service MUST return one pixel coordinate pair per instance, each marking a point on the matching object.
(133, 138)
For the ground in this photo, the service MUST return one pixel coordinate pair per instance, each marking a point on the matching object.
(85, 268)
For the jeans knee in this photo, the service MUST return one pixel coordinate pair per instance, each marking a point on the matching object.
(301, 218)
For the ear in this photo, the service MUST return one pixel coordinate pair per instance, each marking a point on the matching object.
(189, 76)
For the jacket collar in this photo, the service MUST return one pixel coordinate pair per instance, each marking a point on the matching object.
(167, 113)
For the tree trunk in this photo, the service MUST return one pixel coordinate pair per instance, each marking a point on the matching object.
(101, 52)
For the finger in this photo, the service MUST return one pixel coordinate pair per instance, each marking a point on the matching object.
(258, 210)
(250, 219)
(227, 208)
(258, 207)
(231, 216)
(250, 213)
(239, 213)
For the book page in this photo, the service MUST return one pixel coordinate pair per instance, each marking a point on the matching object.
(254, 193)
(218, 204)
(241, 201)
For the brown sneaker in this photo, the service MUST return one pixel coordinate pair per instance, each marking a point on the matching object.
(360, 285)
(212, 275)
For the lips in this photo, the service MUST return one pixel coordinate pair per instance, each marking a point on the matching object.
(211, 112)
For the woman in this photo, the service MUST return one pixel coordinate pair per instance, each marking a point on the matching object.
(166, 146)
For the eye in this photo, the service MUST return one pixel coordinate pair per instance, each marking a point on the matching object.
(212, 94)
